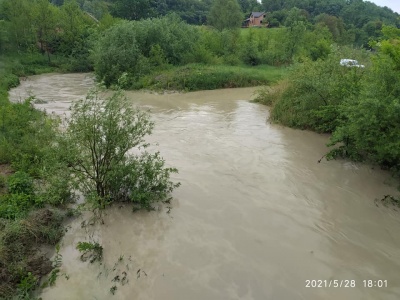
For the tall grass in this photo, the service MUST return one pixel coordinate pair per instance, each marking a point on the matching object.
(195, 77)
(269, 95)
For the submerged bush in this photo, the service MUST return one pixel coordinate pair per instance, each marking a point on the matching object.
(100, 134)
(90, 251)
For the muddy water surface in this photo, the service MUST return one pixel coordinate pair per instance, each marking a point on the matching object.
(256, 215)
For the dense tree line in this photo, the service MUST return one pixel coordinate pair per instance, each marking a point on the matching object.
(65, 26)
(29, 26)
(350, 22)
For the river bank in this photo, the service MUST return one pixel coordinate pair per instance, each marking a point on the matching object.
(255, 217)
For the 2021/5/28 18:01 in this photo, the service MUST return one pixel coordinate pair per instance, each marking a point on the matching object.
(345, 283)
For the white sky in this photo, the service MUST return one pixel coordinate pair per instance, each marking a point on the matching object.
(392, 4)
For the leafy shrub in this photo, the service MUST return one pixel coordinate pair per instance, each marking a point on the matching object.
(370, 129)
(14, 206)
(20, 183)
(26, 286)
(174, 37)
(135, 47)
(20, 197)
(100, 134)
(118, 52)
(23, 132)
(9, 81)
(315, 92)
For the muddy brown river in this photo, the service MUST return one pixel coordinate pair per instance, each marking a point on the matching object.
(256, 216)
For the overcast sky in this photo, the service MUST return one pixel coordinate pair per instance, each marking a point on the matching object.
(393, 4)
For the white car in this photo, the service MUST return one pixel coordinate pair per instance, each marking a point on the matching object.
(350, 63)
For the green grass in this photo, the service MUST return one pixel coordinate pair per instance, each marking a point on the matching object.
(196, 77)
(23, 233)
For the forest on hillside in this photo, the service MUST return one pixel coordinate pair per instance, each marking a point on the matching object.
(350, 21)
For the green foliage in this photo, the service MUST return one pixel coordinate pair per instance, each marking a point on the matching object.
(101, 131)
(217, 47)
(118, 52)
(55, 272)
(146, 44)
(196, 77)
(133, 10)
(90, 251)
(26, 286)
(370, 129)
(270, 95)
(225, 14)
(175, 38)
(251, 54)
(315, 94)
(18, 17)
(249, 6)
(20, 197)
(39, 26)
(24, 131)
(13, 206)
(9, 81)
(20, 183)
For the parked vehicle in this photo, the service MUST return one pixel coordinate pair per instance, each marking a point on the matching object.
(350, 63)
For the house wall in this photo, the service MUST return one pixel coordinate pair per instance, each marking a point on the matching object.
(256, 21)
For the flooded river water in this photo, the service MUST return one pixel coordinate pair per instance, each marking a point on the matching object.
(256, 215)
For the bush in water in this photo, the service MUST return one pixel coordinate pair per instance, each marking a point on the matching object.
(100, 134)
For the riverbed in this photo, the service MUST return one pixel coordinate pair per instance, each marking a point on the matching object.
(256, 215)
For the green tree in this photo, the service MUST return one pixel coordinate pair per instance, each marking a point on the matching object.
(99, 138)
(248, 6)
(334, 24)
(74, 23)
(225, 14)
(74, 38)
(128, 47)
(45, 17)
(133, 10)
(118, 52)
(18, 14)
(296, 23)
